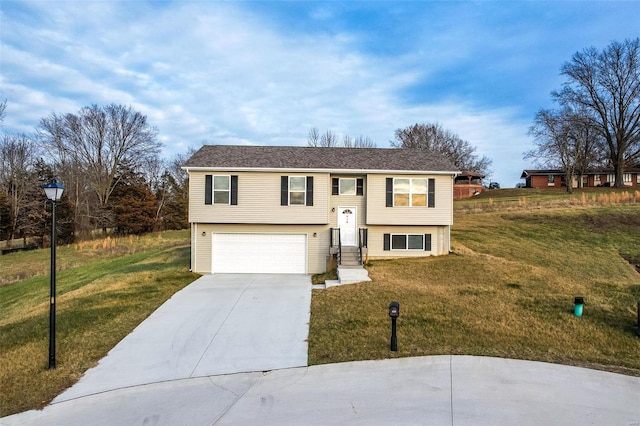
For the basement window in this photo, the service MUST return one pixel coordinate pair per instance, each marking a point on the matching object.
(407, 242)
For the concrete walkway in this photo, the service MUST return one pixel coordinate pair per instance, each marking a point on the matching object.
(439, 390)
(219, 324)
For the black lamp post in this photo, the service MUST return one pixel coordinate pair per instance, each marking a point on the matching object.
(53, 190)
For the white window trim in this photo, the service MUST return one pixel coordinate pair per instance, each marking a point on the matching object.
(355, 186)
(304, 191)
(410, 193)
(213, 190)
(407, 243)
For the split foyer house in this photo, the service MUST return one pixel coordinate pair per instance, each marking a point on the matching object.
(275, 209)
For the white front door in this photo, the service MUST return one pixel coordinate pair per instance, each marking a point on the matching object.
(348, 226)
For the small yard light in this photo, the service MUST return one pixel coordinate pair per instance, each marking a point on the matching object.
(578, 305)
(53, 190)
(394, 313)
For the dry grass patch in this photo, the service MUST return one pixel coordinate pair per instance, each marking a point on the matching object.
(537, 199)
(98, 304)
(18, 267)
(506, 291)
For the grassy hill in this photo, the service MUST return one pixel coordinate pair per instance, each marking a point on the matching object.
(519, 258)
(105, 289)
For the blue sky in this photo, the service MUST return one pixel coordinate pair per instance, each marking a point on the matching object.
(266, 72)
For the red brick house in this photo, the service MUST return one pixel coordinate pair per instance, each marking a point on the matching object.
(555, 178)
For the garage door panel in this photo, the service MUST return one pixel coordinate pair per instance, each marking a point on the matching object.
(259, 253)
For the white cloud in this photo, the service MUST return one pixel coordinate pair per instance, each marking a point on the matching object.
(222, 73)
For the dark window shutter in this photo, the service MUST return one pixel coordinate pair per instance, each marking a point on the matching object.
(427, 242)
(389, 192)
(309, 190)
(284, 190)
(387, 241)
(334, 186)
(359, 186)
(431, 197)
(208, 189)
(234, 190)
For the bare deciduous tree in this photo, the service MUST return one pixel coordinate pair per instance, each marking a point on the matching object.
(313, 137)
(17, 157)
(358, 142)
(607, 86)
(564, 139)
(330, 139)
(433, 137)
(95, 143)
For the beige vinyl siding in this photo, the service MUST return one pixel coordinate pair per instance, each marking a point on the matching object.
(259, 200)
(439, 241)
(317, 247)
(378, 214)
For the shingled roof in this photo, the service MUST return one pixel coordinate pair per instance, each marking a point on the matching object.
(314, 158)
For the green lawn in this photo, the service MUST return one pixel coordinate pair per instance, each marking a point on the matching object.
(105, 289)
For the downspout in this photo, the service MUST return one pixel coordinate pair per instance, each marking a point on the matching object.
(453, 177)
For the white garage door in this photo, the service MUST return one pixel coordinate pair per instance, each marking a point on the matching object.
(259, 253)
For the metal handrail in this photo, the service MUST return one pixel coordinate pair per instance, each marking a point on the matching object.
(363, 236)
(335, 237)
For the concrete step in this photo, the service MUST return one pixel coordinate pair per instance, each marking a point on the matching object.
(352, 275)
(350, 256)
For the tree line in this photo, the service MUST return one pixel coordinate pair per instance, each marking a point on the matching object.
(428, 136)
(108, 159)
(597, 122)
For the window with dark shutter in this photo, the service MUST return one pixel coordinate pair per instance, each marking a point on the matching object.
(309, 191)
(427, 242)
(284, 190)
(234, 190)
(407, 241)
(360, 187)
(387, 242)
(334, 186)
(389, 198)
(208, 189)
(431, 193)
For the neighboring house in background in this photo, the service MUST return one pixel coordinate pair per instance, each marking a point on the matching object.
(593, 178)
(275, 209)
(467, 184)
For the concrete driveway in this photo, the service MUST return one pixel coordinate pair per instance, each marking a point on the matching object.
(437, 390)
(219, 324)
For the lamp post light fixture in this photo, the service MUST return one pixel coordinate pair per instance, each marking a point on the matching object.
(53, 190)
